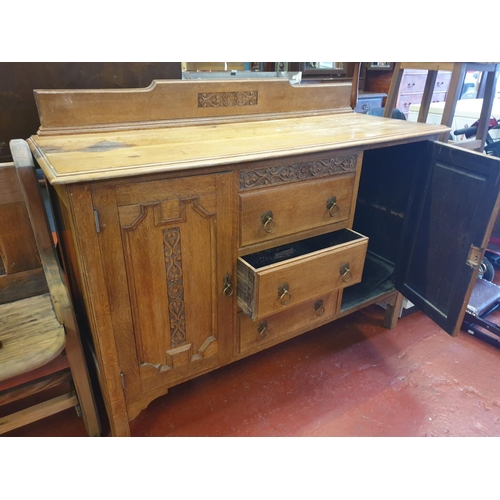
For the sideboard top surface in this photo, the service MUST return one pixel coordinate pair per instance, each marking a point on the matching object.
(82, 157)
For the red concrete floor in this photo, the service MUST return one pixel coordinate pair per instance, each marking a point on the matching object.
(350, 378)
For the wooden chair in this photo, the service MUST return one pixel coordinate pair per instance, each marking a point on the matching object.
(458, 70)
(40, 347)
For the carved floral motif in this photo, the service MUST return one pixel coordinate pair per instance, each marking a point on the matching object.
(297, 171)
(175, 285)
(227, 99)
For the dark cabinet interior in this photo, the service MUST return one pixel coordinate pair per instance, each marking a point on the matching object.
(427, 209)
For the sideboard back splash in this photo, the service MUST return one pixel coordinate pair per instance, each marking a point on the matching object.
(172, 103)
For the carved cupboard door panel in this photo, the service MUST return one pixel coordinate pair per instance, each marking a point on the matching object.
(167, 248)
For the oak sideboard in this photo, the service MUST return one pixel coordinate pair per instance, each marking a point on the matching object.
(204, 221)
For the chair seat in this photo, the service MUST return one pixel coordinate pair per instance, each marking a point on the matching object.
(484, 296)
(31, 335)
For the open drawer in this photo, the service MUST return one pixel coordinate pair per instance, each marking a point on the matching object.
(273, 280)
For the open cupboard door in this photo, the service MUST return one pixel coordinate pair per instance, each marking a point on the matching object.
(450, 217)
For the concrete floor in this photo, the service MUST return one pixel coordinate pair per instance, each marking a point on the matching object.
(350, 378)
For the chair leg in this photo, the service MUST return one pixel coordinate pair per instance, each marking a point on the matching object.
(81, 379)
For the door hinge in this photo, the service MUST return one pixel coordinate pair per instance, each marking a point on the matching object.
(96, 220)
(474, 257)
(122, 376)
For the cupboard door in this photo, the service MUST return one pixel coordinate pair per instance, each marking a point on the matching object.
(167, 247)
(452, 211)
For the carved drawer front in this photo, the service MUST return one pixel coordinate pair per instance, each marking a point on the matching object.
(253, 334)
(279, 211)
(279, 278)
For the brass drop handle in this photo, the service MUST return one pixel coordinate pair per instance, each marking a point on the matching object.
(263, 330)
(268, 221)
(319, 307)
(331, 205)
(284, 294)
(227, 288)
(345, 272)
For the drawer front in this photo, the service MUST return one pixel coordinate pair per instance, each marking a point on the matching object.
(412, 82)
(415, 82)
(443, 82)
(253, 334)
(439, 97)
(280, 211)
(266, 290)
(406, 100)
(366, 104)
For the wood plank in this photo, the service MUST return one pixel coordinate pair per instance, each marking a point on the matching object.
(112, 155)
(10, 192)
(58, 364)
(37, 412)
(185, 100)
(31, 335)
(22, 285)
(34, 387)
(94, 284)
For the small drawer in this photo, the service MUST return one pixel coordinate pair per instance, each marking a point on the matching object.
(439, 97)
(279, 278)
(279, 211)
(406, 100)
(412, 82)
(442, 81)
(253, 334)
(365, 105)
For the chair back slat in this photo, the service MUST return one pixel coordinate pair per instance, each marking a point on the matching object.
(21, 273)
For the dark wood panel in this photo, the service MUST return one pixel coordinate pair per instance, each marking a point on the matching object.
(447, 227)
(18, 80)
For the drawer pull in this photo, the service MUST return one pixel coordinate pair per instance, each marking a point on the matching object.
(262, 329)
(345, 272)
(268, 221)
(227, 289)
(284, 294)
(319, 308)
(331, 205)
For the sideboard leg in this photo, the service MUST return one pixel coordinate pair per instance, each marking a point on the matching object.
(393, 311)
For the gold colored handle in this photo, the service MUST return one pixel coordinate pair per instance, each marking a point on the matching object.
(268, 221)
(319, 308)
(262, 329)
(331, 205)
(227, 288)
(284, 294)
(345, 272)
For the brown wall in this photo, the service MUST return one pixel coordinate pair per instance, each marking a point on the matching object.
(18, 113)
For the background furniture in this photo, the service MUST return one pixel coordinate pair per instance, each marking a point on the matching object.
(40, 348)
(201, 222)
(411, 90)
(458, 70)
(369, 101)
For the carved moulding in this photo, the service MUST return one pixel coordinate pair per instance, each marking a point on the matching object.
(175, 285)
(227, 99)
(299, 171)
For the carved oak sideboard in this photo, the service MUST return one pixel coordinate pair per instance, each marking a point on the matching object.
(202, 222)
